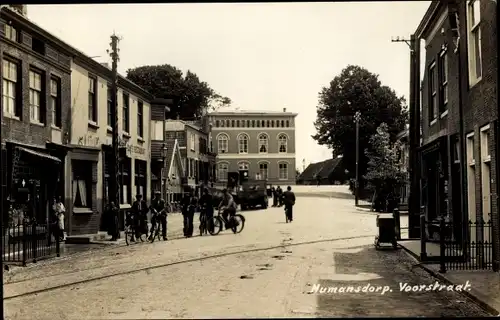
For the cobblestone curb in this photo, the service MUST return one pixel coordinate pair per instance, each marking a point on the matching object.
(469, 294)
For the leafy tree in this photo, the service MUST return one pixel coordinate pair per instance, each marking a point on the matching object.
(384, 174)
(192, 97)
(356, 89)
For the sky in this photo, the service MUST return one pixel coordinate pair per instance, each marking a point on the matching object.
(264, 56)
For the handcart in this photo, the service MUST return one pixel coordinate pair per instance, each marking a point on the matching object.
(386, 231)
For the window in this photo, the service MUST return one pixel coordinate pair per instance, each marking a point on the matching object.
(283, 171)
(93, 99)
(243, 166)
(110, 106)
(38, 46)
(11, 33)
(228, 123)
(282, 143)
(263, 143)
(263, 123)
(222, 169)
(485, 173)
(243, 143)
(217, 123)
(140, 177)
(277, 123)
(222, 124)
(263, 170)
(258, 123)
(125, 181)
(222, 143)
(268, 124)
(432, 93)
(126, 113)
(82, 183)
(272, 124)
(253, 123)
(474, 38)
(10, 88)
(243, 122)
(288, 123)
(237, 123)
(192, 140)
(232, 124)
(485, 144)
(55, 101)
(471, 177)
(35, 82)
(443, 82)
(282, 123)
(140, 119)
(248, 123)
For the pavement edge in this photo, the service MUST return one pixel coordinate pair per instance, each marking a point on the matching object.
(485, 305)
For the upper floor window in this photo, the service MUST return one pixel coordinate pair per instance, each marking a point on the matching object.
(283, 171)
(92, 99)
(288, 123)
(11, 33)
(217, 123)
(222, 143)
(263, 123)
(253, 123)
(277, 123)
(268, 124)
(282, 143)
(474, 38)
(237, 123)
(263, 143)
(432, 93)
(443, 82)
(243, 123)
(243, 143)
(126, 113)
(272, 123)
(248, 123)
(228, 123)
(282, 123)
(110, 106)
(10, 85)
(192, 141)
(232, 124)
(222, 171)
(36, 98)
(140, 119)
(222, 123)
(55, 101)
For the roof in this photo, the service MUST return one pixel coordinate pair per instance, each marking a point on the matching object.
(429, 15)
(322, 169)
(253, 113)
(79, 55)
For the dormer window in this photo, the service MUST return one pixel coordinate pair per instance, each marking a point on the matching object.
(38, 46)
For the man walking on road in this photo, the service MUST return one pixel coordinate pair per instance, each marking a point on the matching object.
(289, 201)
(188, 206)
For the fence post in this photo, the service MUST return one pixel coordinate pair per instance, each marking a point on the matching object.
(423, 239)
(25, 241)
(397, 221)
(442, 244)
(33, 240)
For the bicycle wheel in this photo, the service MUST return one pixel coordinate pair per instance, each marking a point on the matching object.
(217, 226)
(152, 236)
(159, 233)
(237, 223)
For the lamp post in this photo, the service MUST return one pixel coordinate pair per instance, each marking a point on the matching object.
(357, 117)
(163, 177)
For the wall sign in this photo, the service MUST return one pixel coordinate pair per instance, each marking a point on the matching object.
(88, 140)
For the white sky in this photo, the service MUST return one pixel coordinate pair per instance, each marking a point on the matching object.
(264, 56)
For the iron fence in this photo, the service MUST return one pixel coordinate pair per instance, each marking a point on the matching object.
(473, 252)
(30, 241)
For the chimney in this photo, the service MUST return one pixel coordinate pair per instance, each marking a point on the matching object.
(284, 109)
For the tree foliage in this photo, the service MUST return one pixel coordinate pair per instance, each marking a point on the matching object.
(356, 89)
(192, 97)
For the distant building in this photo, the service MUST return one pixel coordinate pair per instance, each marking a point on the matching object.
(328, 172)
(259, 143)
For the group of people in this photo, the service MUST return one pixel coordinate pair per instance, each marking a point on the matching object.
(286, 198)
(189, 203)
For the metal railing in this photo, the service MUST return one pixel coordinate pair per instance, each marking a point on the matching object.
(30, 241)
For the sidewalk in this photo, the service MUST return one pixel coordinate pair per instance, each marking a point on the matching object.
(485, 283)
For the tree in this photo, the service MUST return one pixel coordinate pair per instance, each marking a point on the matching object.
(192, 97)
(356, 89)
(384, 174)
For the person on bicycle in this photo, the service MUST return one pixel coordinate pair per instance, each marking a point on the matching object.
(158, 205)
(207, 208)
(228, 205)
(188, 204)
(289, 201)
(139, 210)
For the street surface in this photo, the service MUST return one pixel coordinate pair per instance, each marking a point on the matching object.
(268, 270)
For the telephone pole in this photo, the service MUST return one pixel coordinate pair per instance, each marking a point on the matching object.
(357, 117)
(114, 187)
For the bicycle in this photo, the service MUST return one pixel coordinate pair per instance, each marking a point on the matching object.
(157, 227)
(133, 230)
(234, 222)
(204, 223)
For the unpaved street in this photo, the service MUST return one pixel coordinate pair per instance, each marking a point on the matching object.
(266, 271)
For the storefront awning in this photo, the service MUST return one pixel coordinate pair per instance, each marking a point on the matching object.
(40, 154)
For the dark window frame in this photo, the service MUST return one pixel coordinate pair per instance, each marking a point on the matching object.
(431, 85)
(81, 170)
(56, 102)
(443, 75)
(18, 86)
(140, 119)
(92, 100)
(42, 92)
(126, 112)
(109, 106)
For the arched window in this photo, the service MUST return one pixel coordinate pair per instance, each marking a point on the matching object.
(242, 143)
(222, 169)
(222, 143)
(263, 143)
(243, 166)
(263, 170)
(282, 143)
(282, 123)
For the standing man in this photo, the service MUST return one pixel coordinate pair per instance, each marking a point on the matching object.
(207, 209)
(289, 200)
(158, 204)
(139, 210)
(188, 204)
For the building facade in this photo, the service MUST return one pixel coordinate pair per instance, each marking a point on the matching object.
(35, 85)
(404, 156)
(260, 143)
(463, 77)
(91, 140)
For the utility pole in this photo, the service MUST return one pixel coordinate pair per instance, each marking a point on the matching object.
(114, 188)
(357, 117)
(414, 135)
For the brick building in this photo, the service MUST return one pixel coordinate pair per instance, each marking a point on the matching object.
(465, 78)
(36, 96)
(261, 143)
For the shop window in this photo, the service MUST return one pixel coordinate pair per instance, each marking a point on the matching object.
(82, 183)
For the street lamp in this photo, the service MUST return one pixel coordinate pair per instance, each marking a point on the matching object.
(357, 118)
